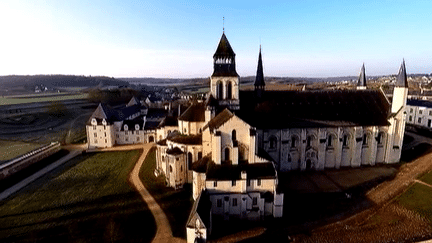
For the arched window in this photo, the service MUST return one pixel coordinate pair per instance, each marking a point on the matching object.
(151, 139)
(345, 140)
(294, 141)
(229, 91)
(273, 142)
(219, 88)
(199, 155)
(171, 168)
(309, 140)
(365, 139)
(234, 135)
(227, 154)
(380, 138)
(190, 160)
(163, 158)
(330, 141)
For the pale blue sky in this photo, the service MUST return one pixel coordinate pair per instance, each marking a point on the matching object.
(176, 39)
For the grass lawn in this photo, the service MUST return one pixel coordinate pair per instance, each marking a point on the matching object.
(417, 198)
(175, 203)
(32, 99)
(12, 149)
(87, 200)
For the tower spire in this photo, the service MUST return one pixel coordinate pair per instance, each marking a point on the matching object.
(401, 79)
(361, 83)
(259, 79)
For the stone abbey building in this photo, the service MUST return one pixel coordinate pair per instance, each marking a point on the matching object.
(231, 146)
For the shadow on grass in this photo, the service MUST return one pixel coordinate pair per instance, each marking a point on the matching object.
(87, 212)
(175, 203)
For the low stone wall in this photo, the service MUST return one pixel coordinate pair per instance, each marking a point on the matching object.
(14, 165)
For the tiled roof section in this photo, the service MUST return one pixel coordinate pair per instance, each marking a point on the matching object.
(219, 120)
(401, 79)
(420, 103)
(151, 125)
(174, 151)
(201, 210)
(233, 172)
(195, 113)
(362, 77)
(190, 140)
(201, 165)
(297, 109)
(162, 142)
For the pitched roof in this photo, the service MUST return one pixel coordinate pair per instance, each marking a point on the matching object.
(191, 139)
(233, 172)
(401, 79)
(133, 101)
(421, 103)
(289, 109)
(201, 210)
(219, 120)
(224, 48)
(259, 79)
(362, 77)
(195, 113)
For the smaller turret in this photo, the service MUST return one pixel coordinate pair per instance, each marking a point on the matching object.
(361, 83)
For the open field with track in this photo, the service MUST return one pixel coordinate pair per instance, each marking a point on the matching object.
(89, 199)
(12, 149)
(33, 98)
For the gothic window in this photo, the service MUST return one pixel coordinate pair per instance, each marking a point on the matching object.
(259, 182)
(233, 183)
(309, 141)
(163, 158)
(229, 91)
(365, 139)
(219, 203)
(219, 88)
(215, 184)
(171, 169)
(273, 142)
(190, 160)
(294, 141)
(234, 202)
(151, 139)
(234, 135)
(380, 138)
(227, 154)
(330, 140)
(345, 140)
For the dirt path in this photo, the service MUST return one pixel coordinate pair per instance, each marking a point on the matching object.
(163, 232)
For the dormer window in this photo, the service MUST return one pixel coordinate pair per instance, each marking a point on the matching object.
(136, 127)
(104, 122)
(94, 122)
(125, 127)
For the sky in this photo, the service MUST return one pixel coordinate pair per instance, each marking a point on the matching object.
(177, 39)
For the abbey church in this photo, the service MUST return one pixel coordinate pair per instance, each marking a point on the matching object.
(231, 146)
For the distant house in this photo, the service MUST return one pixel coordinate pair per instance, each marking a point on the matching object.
(419, 113)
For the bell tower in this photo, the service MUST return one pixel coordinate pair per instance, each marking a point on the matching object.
(224, 82)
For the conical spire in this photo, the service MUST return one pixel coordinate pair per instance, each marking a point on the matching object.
(224, 49)
(362, 77)
(401, 79)
(259, 80)
(224, 59)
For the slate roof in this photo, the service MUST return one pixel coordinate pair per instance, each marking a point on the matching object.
(298, 109)
(420, 103)
(191, 139)
(200, 210)
(151, 125)
(131, 124)
(111, 115)
(259, 79)
(219, 120)
(362, 77)
(233, 172)
(224, 48)
(174, 151)
(195, 113)
(169, 121)
(401, 79)
(133, 101)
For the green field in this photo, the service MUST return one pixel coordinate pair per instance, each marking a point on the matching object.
(175, 203)
(12, 149)
(88, 200)
(417, 198)
(13, 100)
